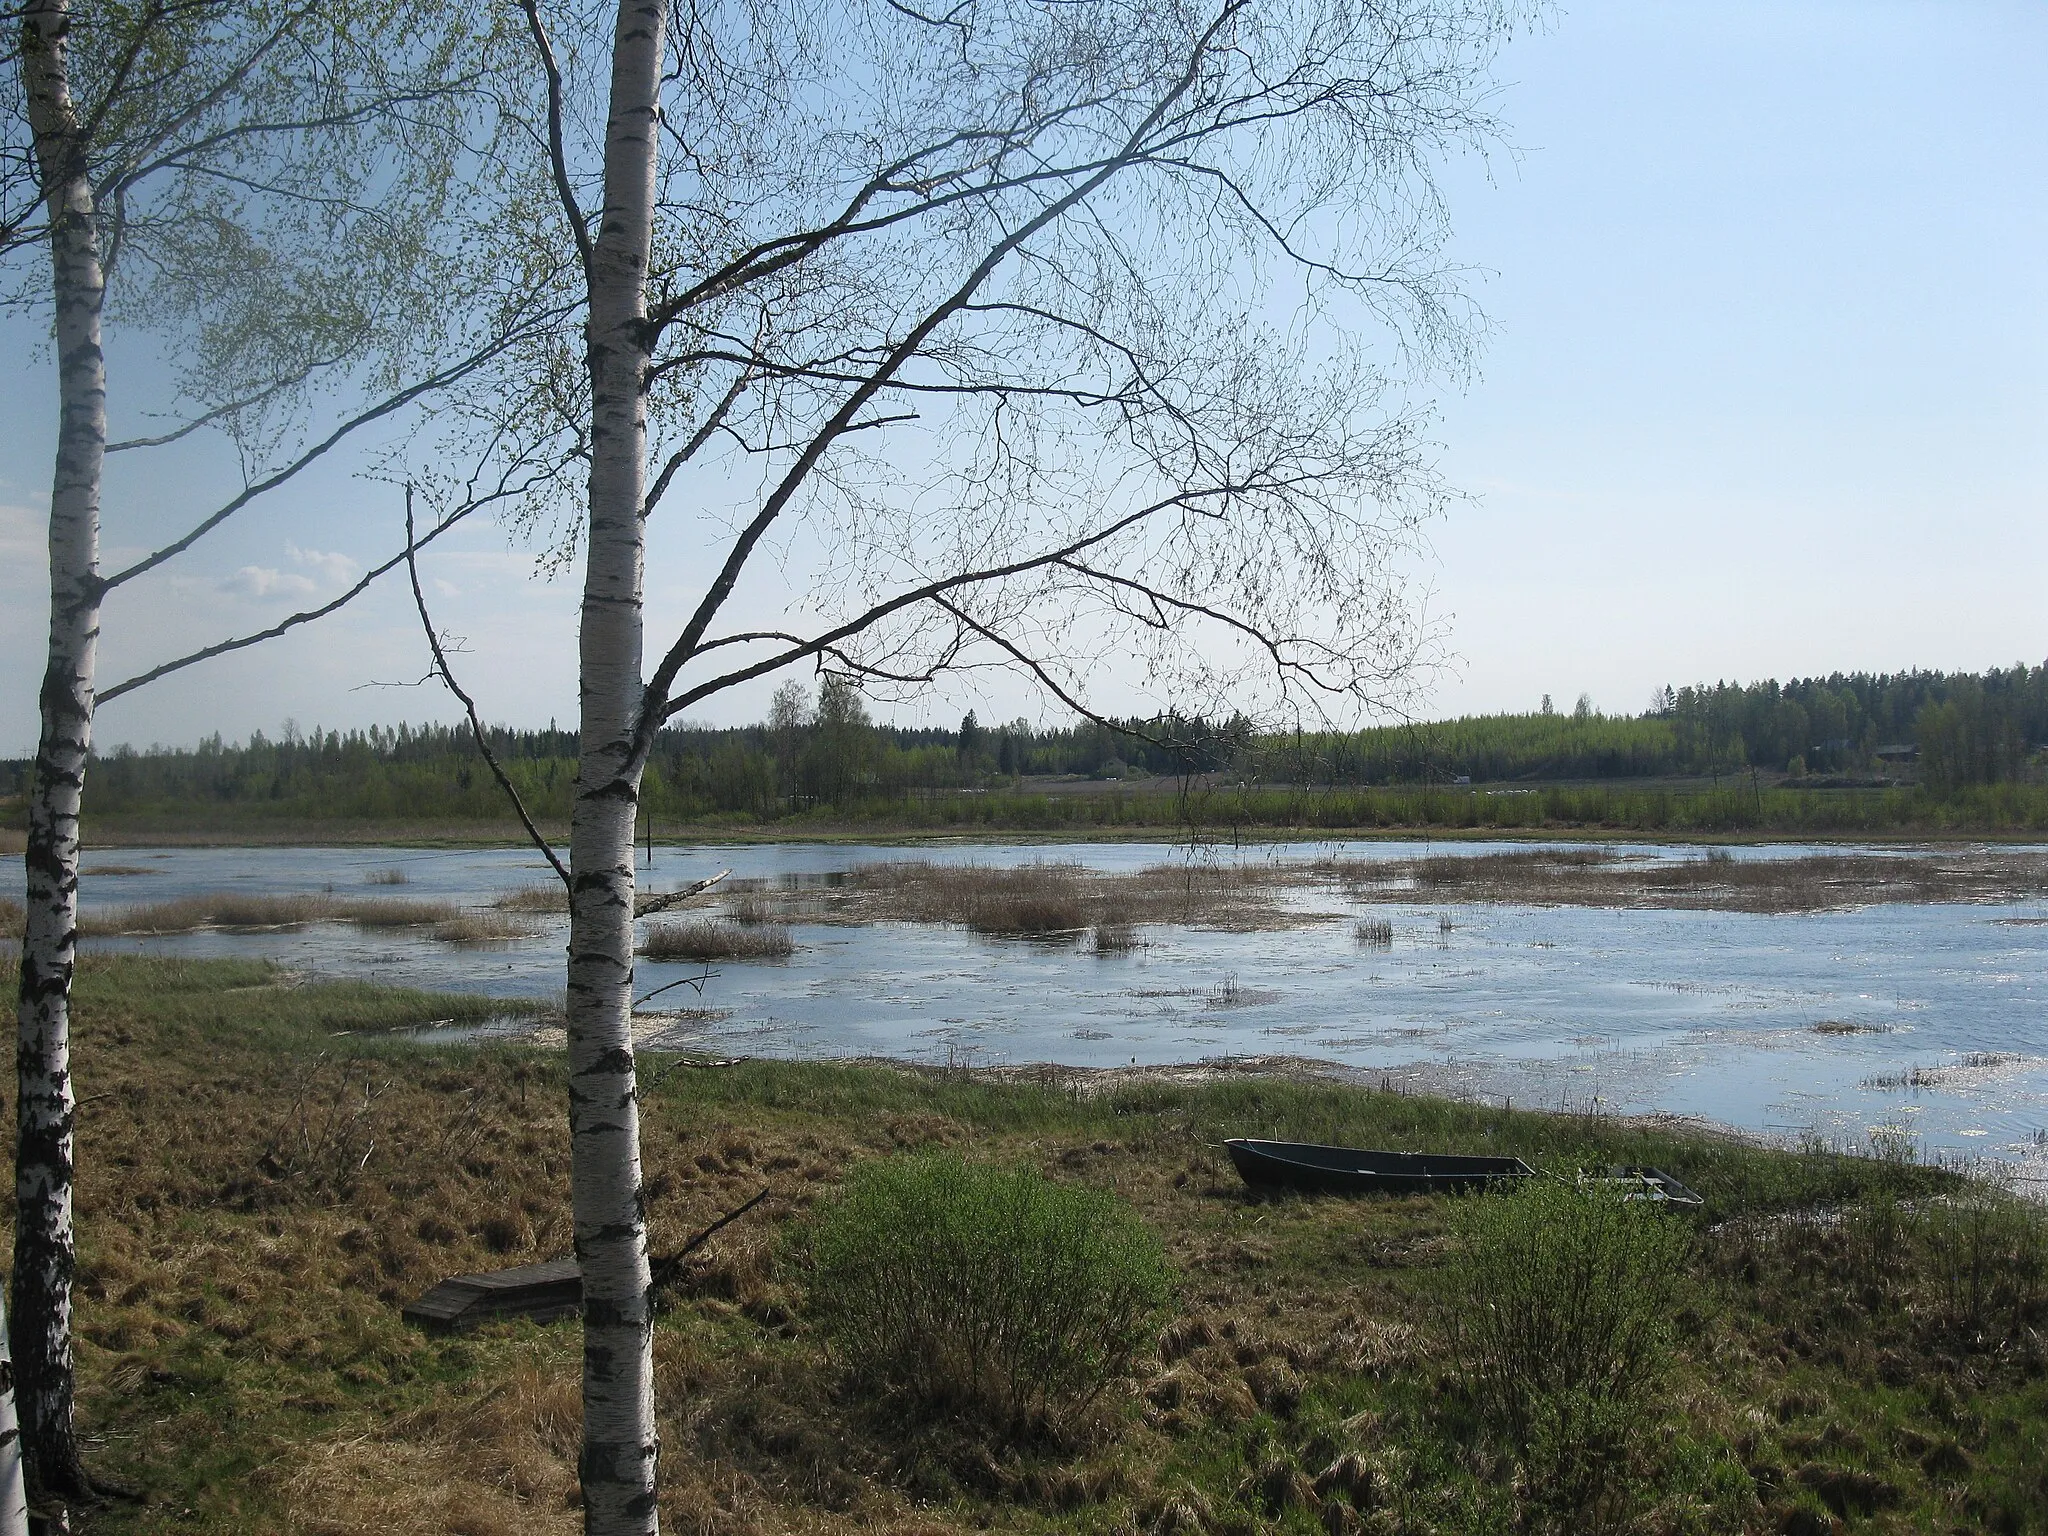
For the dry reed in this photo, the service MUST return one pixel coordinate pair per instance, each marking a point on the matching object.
(1039, 900)
(484, 927)
(234, 909)
(385, 913)
(386, 877)
(1601, 878)
(534, 898)
(1114, 938)
(711, 940)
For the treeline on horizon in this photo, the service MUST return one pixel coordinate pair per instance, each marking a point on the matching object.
(821, 755)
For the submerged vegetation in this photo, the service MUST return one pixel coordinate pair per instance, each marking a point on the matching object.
(269, 1169)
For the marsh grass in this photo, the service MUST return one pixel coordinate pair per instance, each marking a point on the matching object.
(392, 876)
(1113, 937)
(250, 910)
(534, 898)
(241, 1355)
(385, 912)
(1374, 932)
(484, 927)
(1040, 900)
(708, 939)
(1600, 877)
(12, 918)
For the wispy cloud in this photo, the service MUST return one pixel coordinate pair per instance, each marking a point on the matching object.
(338, 568)
(263, 581)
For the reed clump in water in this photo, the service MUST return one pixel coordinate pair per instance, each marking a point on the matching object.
(483, 927)
(713, 940)
(1060, 900)
(387, 877)
(188, 914)
(534, 898)
(1114, 938)
(1374, 932)
(397, 914)
(240, 909)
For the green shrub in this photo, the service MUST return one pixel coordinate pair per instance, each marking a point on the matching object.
(981, 1291)
(1989, 1256)
(1559, 1312)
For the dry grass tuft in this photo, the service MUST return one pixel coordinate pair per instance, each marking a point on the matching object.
(1114, 938)
(12, 917)
(534, 898)
(1057, 900)
(238, 909)
(1374, 932)
(713, 940)
(385, 913)
(387, 877)
(484, 927)
(1600, 878)
(186, 914)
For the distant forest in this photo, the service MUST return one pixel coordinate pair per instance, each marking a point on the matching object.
(822, 753)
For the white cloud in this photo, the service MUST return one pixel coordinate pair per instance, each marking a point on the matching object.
(447, 588)
(338, 568)
(262, 581)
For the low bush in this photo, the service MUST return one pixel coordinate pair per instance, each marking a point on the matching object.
(1559, 1311)
(981, 1292)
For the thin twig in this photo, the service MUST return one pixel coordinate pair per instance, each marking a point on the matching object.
(476, 725)
(666, 1269)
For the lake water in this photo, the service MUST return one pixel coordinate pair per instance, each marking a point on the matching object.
(1629, 1011)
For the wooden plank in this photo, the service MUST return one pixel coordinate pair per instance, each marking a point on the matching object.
(543, 1292)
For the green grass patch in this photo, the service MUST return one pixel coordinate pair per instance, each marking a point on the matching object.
(270, 1167)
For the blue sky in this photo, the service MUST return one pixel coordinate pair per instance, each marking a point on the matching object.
(1767, 394)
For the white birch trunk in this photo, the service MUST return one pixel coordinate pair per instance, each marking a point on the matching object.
(620, 1446)
(13, 1485)
(44, 1251)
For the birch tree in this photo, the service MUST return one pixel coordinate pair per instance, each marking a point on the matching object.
(1058, 331)
(274, 190)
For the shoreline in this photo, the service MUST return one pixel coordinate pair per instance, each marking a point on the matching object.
(486, 837)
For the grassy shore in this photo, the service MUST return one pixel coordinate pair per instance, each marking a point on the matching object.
(1165, 810)
(268, 1170)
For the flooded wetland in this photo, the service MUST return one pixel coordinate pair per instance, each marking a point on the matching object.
(1790, 990)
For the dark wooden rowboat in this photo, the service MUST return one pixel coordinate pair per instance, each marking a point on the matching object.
(1349, 1171)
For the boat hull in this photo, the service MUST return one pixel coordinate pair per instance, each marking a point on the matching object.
(1350, 1171)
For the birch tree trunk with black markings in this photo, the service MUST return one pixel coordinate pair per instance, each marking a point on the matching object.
(620, 1445)
(13, 1485)
(44, 1248)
